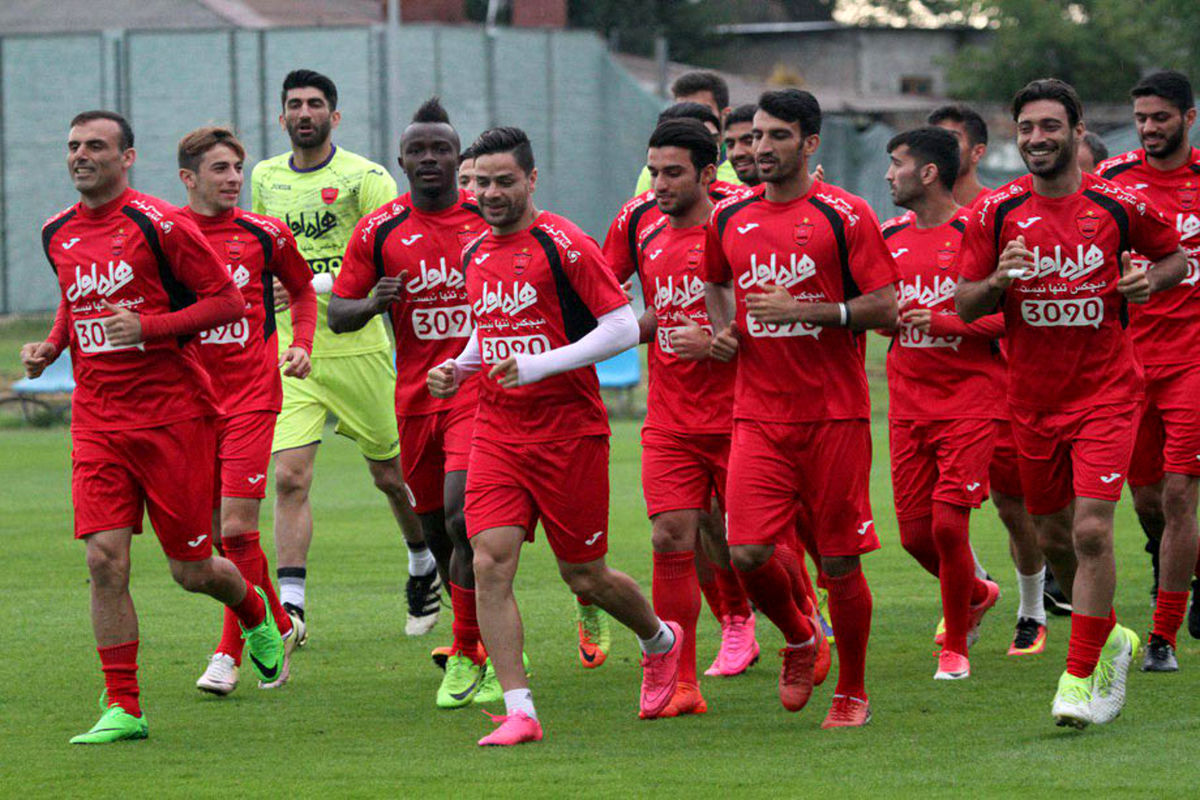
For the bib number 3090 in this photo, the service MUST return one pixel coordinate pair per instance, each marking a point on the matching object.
(453, 322)
(93, 338)
(1054, 313)
(498, 348)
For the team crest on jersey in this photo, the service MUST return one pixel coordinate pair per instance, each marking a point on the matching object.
(117, 243)
(695, 256)
(1088, 223)
(466, 236)
(329, 194)
(234, 248)
(521, 261)
(945, 256)
(1187, 194)
(802, 232)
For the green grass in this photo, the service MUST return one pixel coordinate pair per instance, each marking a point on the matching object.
(358, 717)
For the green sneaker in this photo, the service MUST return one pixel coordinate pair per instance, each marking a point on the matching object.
(595, 635)
(460, 683)
(1111, 672)
(489, 686)
(1073, 702)
(264, 645)
(114, 725)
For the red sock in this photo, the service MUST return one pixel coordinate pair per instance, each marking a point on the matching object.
(733, 595)
(1168, 613)
(252, 610)
(119, 662)
(466, 624)
(956, 571)
(770, 587)
(793, 562)
(850, 611)
(916, 536)
(676, 598)
(1088, 635)
(706, 575)
(246, 553)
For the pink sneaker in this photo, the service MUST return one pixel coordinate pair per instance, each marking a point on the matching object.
(516, 728)
(977, 611)
(952, 666)
(739, 648)
(660, 675)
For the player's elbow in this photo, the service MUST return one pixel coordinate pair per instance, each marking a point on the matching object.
(229, 305)
(339, 316)
(963, 305)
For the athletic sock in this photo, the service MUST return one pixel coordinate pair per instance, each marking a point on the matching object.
(660, 642)
(916, 536)
(466, 624)
(291, 585)
(770, 587)
(246, 553)
(252, 610)
(519, 700)
(956, 574)
(119, 663)
(1168, 614)
(675, 595)
(231, 643)
(850, 607)
(420, 559)
(1088, 635)
(733, 595)
(1033, 601)
(802, 590)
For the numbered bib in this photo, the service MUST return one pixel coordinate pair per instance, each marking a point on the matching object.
(496, 349)
(663, 337)
(912, 337)
(1055, 313)
(233, 333)
(92, 338)
(452, 322)
(772, 330)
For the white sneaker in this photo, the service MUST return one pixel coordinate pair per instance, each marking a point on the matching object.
(1108, 692)
(221, 676)
(289, 644)
(297, 616)
(1072, 705)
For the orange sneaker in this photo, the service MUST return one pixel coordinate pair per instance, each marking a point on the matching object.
(847, 712)
(595, 635)
(796, 674)
(440, 655)
(660, 676)
(516, 728)
(686, 700)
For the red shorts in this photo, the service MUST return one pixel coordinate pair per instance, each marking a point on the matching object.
(168, 470)
(682, 471)
(243, 454)
(1069, 454)
(1168, 439)
(943, 460)
(432, 445)
(814, 473)
(1004, 473)
(564, 483)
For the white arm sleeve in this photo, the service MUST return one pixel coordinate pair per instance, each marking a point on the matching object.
(614, 333)
(322, 282)
(468, 362)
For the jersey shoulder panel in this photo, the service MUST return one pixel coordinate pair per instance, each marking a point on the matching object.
(1112, 167)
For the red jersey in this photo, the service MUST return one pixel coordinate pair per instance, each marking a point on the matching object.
(432, 321)
(685, 396)
(638, 216)
(1067, 344)
(954, 371)
(1166, 330)
(533, 291)
(242, 357)
(145, 255)
(824, 246)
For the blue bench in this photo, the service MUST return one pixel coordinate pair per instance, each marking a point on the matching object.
(46, 392)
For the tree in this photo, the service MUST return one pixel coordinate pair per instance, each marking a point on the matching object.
(636, 23)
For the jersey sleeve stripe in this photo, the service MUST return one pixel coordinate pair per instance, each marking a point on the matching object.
(1121, 217)
(381, 236)
(1003, 211)
(958, 225)
(891, 231)
(268, 288)
(48, 234)
(470, 252)
(731, 209)
(179, 295)
(850, 288)
(632, 232)
(578, 320)
(1116, 170)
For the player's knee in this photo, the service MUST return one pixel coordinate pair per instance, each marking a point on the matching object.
(193, 576)
(292, 481)
(456, 528)
(837, 566)
(747, 558)
(389, 482)
(1093, 538)
(108, 566)
(584, 580)
(1179, 500)
(669, 534)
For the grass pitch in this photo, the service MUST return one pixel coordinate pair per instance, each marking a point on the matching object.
(358, 718)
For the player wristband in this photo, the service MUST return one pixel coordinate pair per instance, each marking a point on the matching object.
(844, 311)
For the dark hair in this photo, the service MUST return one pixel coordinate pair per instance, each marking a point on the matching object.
(689, 134)
(973, 124)
(193, 146)
(304, 78)
(112, 116)
(1050, 89)
(743, 113)
(1096, 145)
(431, 111)
(467, 155)
(506, 140)
(793, 105)
(690, 83)
(690, 110)
(931, 145)
(1171, 85)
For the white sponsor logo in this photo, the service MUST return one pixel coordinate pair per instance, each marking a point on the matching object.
(927, 293)
(103, 284)
(771, 271)
(440, 276)
(1069, 313)
(842, 207)
(256, 478)
(995, 199)
(167, 226)
(1188, 225)
(1025, 223)
(900, 252)
(92, 337)
(1140, 186)
(482, 257)
(770, 330)
(591, 540)
(497, 348)
(749, 226)
(75, 240)
(972, 486)
(451, 322)
(198, 540)
(655, 254)
(151, 211)
(236, 332)
(1084, 263)
(412, 239)
(680, 295)
(1110, 478)
(866, 526)
(558, 236)
(509, 301)
(241, 275)
(572, 256)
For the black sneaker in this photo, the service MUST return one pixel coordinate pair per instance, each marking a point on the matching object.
(424, 593)
(1194, 612)
(1160, 656)
(1029, 638)
(299, 628)
(1055, 601)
